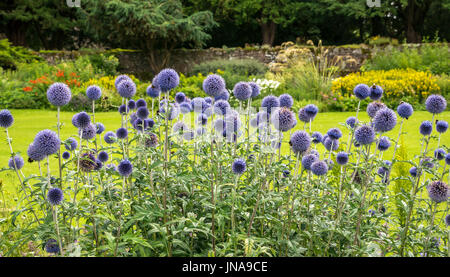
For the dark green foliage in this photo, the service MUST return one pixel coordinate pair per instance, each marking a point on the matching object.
(10, 55)
(243, 67)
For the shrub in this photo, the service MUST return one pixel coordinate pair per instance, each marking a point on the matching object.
(11, 56)
(243, 67)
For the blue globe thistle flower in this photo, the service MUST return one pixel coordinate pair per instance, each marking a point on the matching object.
(384, 120)
(82, 120)
(224, 95)
(331, 144)
(314, 152)
(66, 155)
(311, 111)
(319, 168)
(262, 117)
(342, 158)
(256, 90)
(374, 107)
(125, 168)
(447, 220)
(16, 162)
(300, 141)
(6, 119)
(185, 108)
(179, 126)
(405, 110)
(413, 171)
(58, 94)
(140, 125)
(232, 123)
(439, 154)
(142, 113)
(351, 121)
(213, 85)
(316, 137)
(122, 133)
(35, 153)
(99, 128)
(384, 144)
(364, 135)
(283, 119)
(141, 103)
(131, 104)
(219, 125)
(109, 137)
(286, 173)
(201, 131)
(221, 107)
(111, 167)
(168, 79)
(447, 158)
(123, 109)
(435, 104)
(376, 92)
(202, 119)
(75, 121)
(174, 111)
(441, 126)
(151, 140)
(149, 122)
(329, 163)
(242, 91)
(199, 105)
(208, 100)
(270, 103)
(239, 166)
(438, 191)
(89, 132)
(303, 116)
(98, 164)
(93, 92)
(334, 133)
(180, 97)
(361, 91)
(189, 135)
(384, 170)
(55, 196)
(286, 100)
(51, 246)
(427, 162)
(153, 91)
(103, 156)
(71, 144)
(119, 79)
(47, 141)
(127, 88)
(426, 128)
(308, 160)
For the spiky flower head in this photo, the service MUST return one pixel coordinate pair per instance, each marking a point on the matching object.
(331, 144)
(364, 135)
(256, 90)
(66, 155)
(125, 168)
(435, 104)
(110, 137)
(300, 141)
(179, 126)
(142, 113)
(351, 121)
(221, 107)
(441, 126)
(283, 119)
(316, 137)
(376, 92)
(180, 97)
(35, 153)
(51, 246)
(270, 103)
(99, 128)
(168, 79)
(384, 120)
(71, 144)
(213, 85)
(131, 104)
(141, 103)
(153, 91)
(361, 91)
(286, 100)
(16, 162)
(413, 171)
(438, 191)
(303, 116)
(224, 95)
(308, 160)
(239, 166)
(242, 91)
(232, 123)
(119, 79)
(311, 110)
(185, 108)
(334, 133)
(426, 128)
(82, 120)
(47, 141)
(123, 109)
(122, 133)
(55, 196)
(199, 105)
(89, 132)
(219, 125)
(384, 143)
(6, 119)
(202, 119)
(439, 154)
(208, 100)
(342, 158)
(319, 168)
(405, 110)
(374, 107)
(447, 159)
(93, 92)
(58, 94)
(103, 156)
(149, 122)
(384, 170)
(127, 88)
(447, 220)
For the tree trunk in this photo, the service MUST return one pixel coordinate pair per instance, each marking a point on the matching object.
(268, 30)
(17, 33)
(415, 17)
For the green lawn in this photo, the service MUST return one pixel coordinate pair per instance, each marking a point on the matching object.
(28, 122)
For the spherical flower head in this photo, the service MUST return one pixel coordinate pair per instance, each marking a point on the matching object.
(185, 108)
(447, 220)
(224, 95)
(405, 110)
(66, 155)
(198, 105)
(286, 100)
(384, 170)
(98, 164)
(6, 119)
(142, 113)
(99, 128)
(89, 132)
(342, 158)
(303, 116)
(179, 126)
(109, 137)
(308, 160)
(319, 168)
(447, 159)
(364, 135)
(351, 121)
(123, 109)
(93, 92)
(438, 191)
(334, 133)
(82, 120)
(59, 94)
(256, 90)
(426, 128)
(180, 97)
(153, 91)
(435, 104)
(55, 196)
(140, 125)
(286, 173)
(16, 162)
(219, 125)
(119, 79)
(316, 137)
(375, 92)
(149, 122)
(413, 171)
(127, 88)
(167, 79)
(361, 91)
(189, 135)
(283, 119)
(213, 85)
(374, 107)
(125, 168)
(47, 141)
(174, 111)
(51, 246)
(221, 107)
(311, 110)
(201, 131)
(331, 144)
(122, 133)
(131, 104)
(208, 100)
(232, 123)
(441, 126)
(71, 144)
(384, 144)
(242, 91)
(300, 141)
(427, 162)
(35, 153)
(239, 166)
(151, 140)
(141, 103)
(202, 119)
(384, 120)
(439, 154)
(270, 103)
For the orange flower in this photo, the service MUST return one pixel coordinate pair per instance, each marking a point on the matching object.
(27, 89)
(59, 73)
